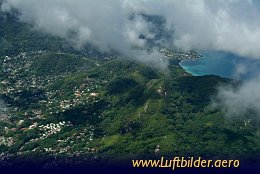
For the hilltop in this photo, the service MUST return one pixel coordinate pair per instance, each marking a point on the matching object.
(60, 103)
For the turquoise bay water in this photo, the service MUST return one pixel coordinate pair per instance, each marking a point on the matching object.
(222, 64)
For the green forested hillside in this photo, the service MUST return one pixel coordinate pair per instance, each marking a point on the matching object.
(58, 103)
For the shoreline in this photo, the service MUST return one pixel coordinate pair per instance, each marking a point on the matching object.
(185, 68)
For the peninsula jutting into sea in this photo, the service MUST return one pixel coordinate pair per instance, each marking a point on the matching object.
(129, 86)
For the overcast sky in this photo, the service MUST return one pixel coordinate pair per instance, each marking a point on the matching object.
(220, 25)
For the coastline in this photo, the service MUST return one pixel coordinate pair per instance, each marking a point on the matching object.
(186, 68)
(213, 63)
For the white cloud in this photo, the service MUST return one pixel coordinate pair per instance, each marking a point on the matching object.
(237, 101)
(103, 23)
(223, 25)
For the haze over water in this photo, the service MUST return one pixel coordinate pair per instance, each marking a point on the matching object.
(222, 64)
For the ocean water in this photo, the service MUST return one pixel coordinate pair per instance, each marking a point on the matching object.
(222, 64)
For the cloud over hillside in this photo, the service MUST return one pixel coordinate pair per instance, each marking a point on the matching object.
(120, 26)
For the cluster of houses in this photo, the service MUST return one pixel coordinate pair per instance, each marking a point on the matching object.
(15, 80)
(180, 55)
(52, 128)
(7, 141)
